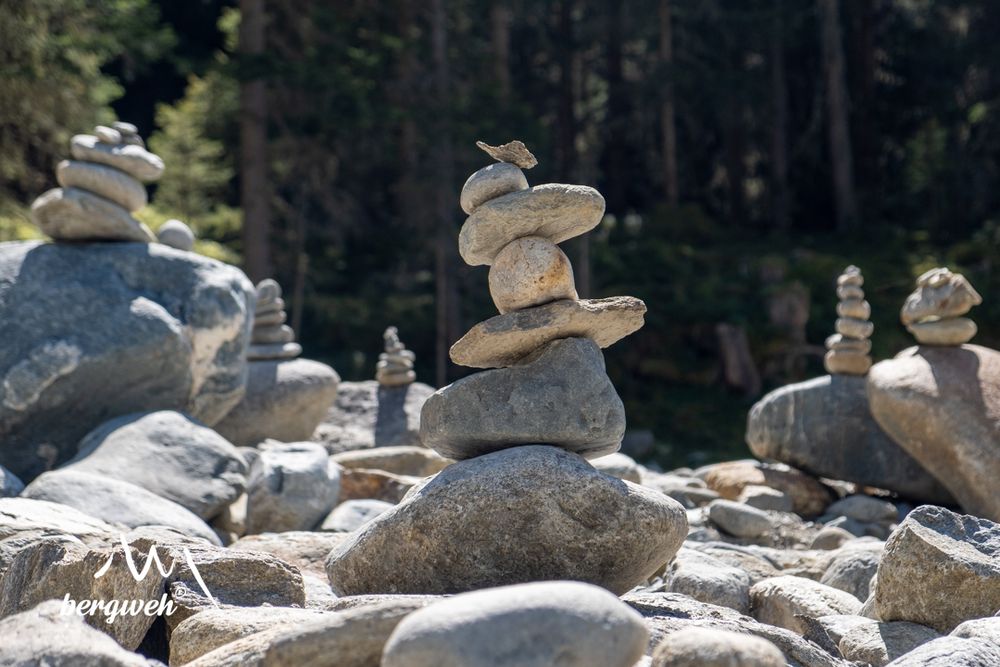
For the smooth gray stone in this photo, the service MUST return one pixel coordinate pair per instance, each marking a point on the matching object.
(176, 234)
(708, 579)
(824, 426)
(285, 400)
(273, 351)
(514, 516)
(530, 625)
(367, 414)
(131, 159)
(102, 180)
(281, 333)
(72, 214)
(353, 514)
(490, 182)
(561, 396)
(116, 502)
(24, 521)
(702, 647)
(95, 331)
(292, 486)
(951, 652)
(168, 454)
(852, 569)
(876, 644)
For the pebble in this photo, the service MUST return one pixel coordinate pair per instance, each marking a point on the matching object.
(491, 182)
(176, 234)
(530, 271)
(852, 328)
(739, 520)
(108, 135)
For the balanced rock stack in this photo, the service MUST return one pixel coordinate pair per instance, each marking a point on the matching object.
(933, 312)
(395, 365)
(848, 349)
(286, 398)
(101, 186)
(271, 337)
(520, 504)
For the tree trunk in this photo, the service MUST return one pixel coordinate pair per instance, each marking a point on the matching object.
(617, 120)
(667, 114)
(443, 247)
(254, 196)
(845, 204)
(734, 139)
(779, 126)
(862, 13)
(500, 18)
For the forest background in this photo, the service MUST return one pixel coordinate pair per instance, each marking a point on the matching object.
(748, 151)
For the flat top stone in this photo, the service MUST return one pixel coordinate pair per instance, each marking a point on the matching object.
(514, 152)
(504, 340)
(555, 211)
(130, 158)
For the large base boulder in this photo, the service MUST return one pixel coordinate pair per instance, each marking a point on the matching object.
(93, 331)
(523, 514)
(942, 405)
(823, 426)
(285, 400)
(366, 414)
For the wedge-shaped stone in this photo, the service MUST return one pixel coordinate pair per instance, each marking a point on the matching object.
(523, 514)
(71, 214)
(131, 159)
(555, 211)
(506, 339)
(107, 182)
(507, 407)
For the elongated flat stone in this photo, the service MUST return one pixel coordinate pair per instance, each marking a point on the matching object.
(102, 180)
(71, 214)
(131, 159)
(555, 211)
(504, 340)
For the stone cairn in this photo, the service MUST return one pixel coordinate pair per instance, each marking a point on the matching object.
(271, 338)
(395, 365)
(933, 312)
(101, 186)
(546, 341)
(849, 348)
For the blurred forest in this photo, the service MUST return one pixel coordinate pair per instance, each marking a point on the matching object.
(748, 151)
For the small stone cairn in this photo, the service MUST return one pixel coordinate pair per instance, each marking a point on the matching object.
(933, 311)
(849, 348)
(101, 187)
(395, 365)
(546, 340)
(271, 338)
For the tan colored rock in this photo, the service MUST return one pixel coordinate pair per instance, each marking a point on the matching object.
(852, 328)
(400, 460)
(530, 271)
(72, 214)
(950, 332)
(809, 497)
(850, 292)
(131, 159)
(491, 182)
(361, 483)
(555, 211)
(839, 342)
(851, 276)
(306, 550)
(846, 362)
(504, 340)
(781, 600)
(713, 647)
(858, 309)
(105, 181)
(514, 152)
(940, 294)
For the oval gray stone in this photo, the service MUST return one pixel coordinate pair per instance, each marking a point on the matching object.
(529, 625)
(176, 234)
(561, 396)
(72, 214)
(524, 514)
(491, 182)
(131, 159)
(105, 181)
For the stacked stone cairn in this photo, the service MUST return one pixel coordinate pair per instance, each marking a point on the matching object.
(546, 341)
(849, 348)
(271, 337)
(395, 365)
(933, 312)
(101, 187)
(286, 397)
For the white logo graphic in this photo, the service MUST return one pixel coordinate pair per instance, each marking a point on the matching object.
(113, 609)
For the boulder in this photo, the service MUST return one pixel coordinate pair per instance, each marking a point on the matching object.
(401, 460)
(168, 454)
(529, 625)
(171, 334)
(514, 516)
(809, 497)
(781, 600)
(560, 396)
(24, 521)
(285, 399)
(366, 414)
(305, 550)
(702, 647)
(824, 426)
(353, 514)
(852, 568)
(506, 340)
(116, 502)
(708, 579)
(942, 405)
(45, 636)
(955, 559)
(739, 520)
(291, 486)
(951, 652)
(877, 644)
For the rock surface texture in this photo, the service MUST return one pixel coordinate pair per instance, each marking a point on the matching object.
(173, 330)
